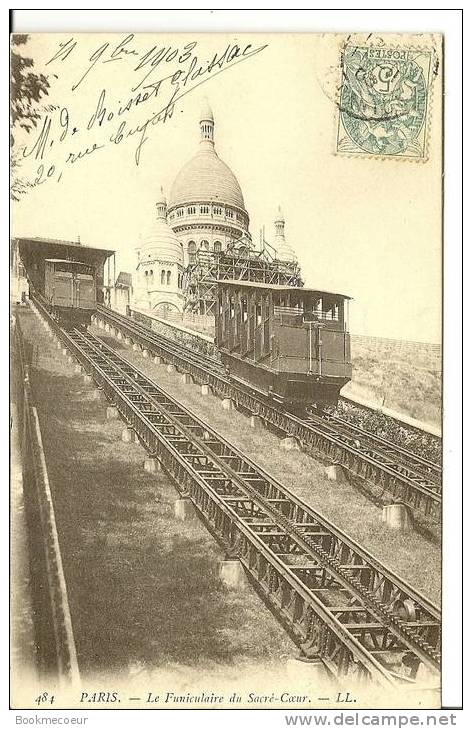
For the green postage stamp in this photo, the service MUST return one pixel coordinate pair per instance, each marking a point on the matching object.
(384, 101)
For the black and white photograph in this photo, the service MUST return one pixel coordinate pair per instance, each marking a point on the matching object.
(226, 351)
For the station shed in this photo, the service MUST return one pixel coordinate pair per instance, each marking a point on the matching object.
(28, 255)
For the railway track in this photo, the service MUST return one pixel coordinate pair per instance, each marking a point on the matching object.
(394, 470)
(392, 455)
(339, 603)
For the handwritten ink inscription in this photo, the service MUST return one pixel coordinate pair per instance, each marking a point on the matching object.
(161, 76)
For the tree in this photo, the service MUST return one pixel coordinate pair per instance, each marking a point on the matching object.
(26, 90)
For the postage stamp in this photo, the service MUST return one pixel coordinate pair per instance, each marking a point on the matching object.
(384, 101)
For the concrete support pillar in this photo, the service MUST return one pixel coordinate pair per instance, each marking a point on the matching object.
(205, 390)
(335, 472)
(96, 394)
(290, 444)
(152, 465)
(186, 379)
(112, 412)
(136, 347)
(59, 344)
(256, 422)
(100, 324)
(398, 516)
(119, 335)
(107, 327)
(145, 353)
(157, 360)
(128, 340)
(70, 359)
(88, 379)
(78, 368)
(171, 368)
(227, 403)
(232, 574)
(184, 510)
(65, 351)
(128, 435)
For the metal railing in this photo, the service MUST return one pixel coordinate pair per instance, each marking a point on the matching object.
(38, 492)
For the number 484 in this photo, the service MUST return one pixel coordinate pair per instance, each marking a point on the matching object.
(44, 698)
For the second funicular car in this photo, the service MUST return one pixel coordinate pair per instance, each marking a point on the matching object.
(289, 343)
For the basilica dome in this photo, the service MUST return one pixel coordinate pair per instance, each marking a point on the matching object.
(206, 179)
(159, 242)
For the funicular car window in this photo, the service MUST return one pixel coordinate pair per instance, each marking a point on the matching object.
(72, 267)
(63, 274)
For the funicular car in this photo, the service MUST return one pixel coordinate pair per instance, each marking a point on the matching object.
(289, 343)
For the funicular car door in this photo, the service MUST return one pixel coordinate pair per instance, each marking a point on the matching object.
(84, 291)
(62, 293)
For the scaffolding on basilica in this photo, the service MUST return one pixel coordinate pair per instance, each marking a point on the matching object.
(207, 268)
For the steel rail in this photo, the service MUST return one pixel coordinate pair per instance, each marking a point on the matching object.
(280, 493)
(409, 464)
(143, 405)
(423, 465)
(412, 462)
(422, 496)
(137, 328)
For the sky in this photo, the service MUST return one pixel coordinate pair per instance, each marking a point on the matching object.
(367, 227)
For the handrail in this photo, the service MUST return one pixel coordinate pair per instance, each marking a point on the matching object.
(36, 482)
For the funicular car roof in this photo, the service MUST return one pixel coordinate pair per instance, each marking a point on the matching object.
(278, 287)
(66, 260)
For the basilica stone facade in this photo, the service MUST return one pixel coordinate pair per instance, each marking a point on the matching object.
(158, 281)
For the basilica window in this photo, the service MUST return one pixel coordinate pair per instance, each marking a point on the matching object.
(243, 251)
(204, 209)
(204, 245)
(191, 210)
(163, 277)
(217, 246)
(191, 248)
(168, 277)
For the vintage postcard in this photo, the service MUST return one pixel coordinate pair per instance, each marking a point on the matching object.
(226, 415)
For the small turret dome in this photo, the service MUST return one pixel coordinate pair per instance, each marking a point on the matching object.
(285, 252)
(159, 242)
